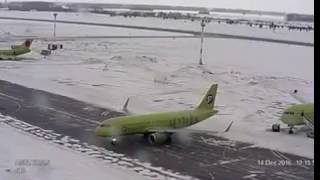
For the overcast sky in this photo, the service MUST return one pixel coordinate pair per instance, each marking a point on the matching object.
(298, 6)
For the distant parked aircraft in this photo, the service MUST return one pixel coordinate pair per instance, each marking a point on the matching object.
(296, 115)
(16, 50)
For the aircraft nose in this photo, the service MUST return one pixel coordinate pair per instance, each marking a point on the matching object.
(101, 131)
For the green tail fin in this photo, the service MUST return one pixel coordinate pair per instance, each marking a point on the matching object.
(26, 44)
(209, 99)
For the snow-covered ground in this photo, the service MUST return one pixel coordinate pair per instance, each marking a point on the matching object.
(255, 78)
(25, 157)
(11, 28)
(35, 153)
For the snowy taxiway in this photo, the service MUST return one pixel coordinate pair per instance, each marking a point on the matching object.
(194, 154)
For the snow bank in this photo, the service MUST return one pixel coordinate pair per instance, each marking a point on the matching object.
(25, 157)
(44, 154)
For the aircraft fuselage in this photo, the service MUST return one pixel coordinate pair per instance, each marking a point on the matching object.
(294, 115)
(147, 123)
(15, 50)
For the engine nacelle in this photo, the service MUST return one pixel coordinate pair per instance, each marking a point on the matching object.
(15, 46)
(159, 138)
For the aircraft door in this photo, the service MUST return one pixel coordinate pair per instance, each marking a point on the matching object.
(173, 123)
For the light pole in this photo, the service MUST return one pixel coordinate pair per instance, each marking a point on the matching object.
(5, 4)
(201, 49)
(54, 26)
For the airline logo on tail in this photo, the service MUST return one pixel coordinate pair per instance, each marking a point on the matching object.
(209, 99)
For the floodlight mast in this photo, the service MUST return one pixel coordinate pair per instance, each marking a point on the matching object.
(201, 49)
(54, 26)
(5, 4)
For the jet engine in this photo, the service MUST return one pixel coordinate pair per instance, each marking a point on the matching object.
(159, 138)
(15, 46)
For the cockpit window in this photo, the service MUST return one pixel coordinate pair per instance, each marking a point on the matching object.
(105, 125)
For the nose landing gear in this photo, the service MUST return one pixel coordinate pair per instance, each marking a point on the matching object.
(113, 141)
(291, 130)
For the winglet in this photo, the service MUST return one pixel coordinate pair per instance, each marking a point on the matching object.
(228, 128)
(125, 106)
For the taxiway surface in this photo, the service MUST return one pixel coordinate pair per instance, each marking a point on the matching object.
(198, 154)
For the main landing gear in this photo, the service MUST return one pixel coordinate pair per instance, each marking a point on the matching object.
(276, 128)
(291, 130)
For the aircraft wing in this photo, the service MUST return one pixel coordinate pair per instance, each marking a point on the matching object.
(172, 131)
(162, 130)
(3, 57)
(298, 98)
